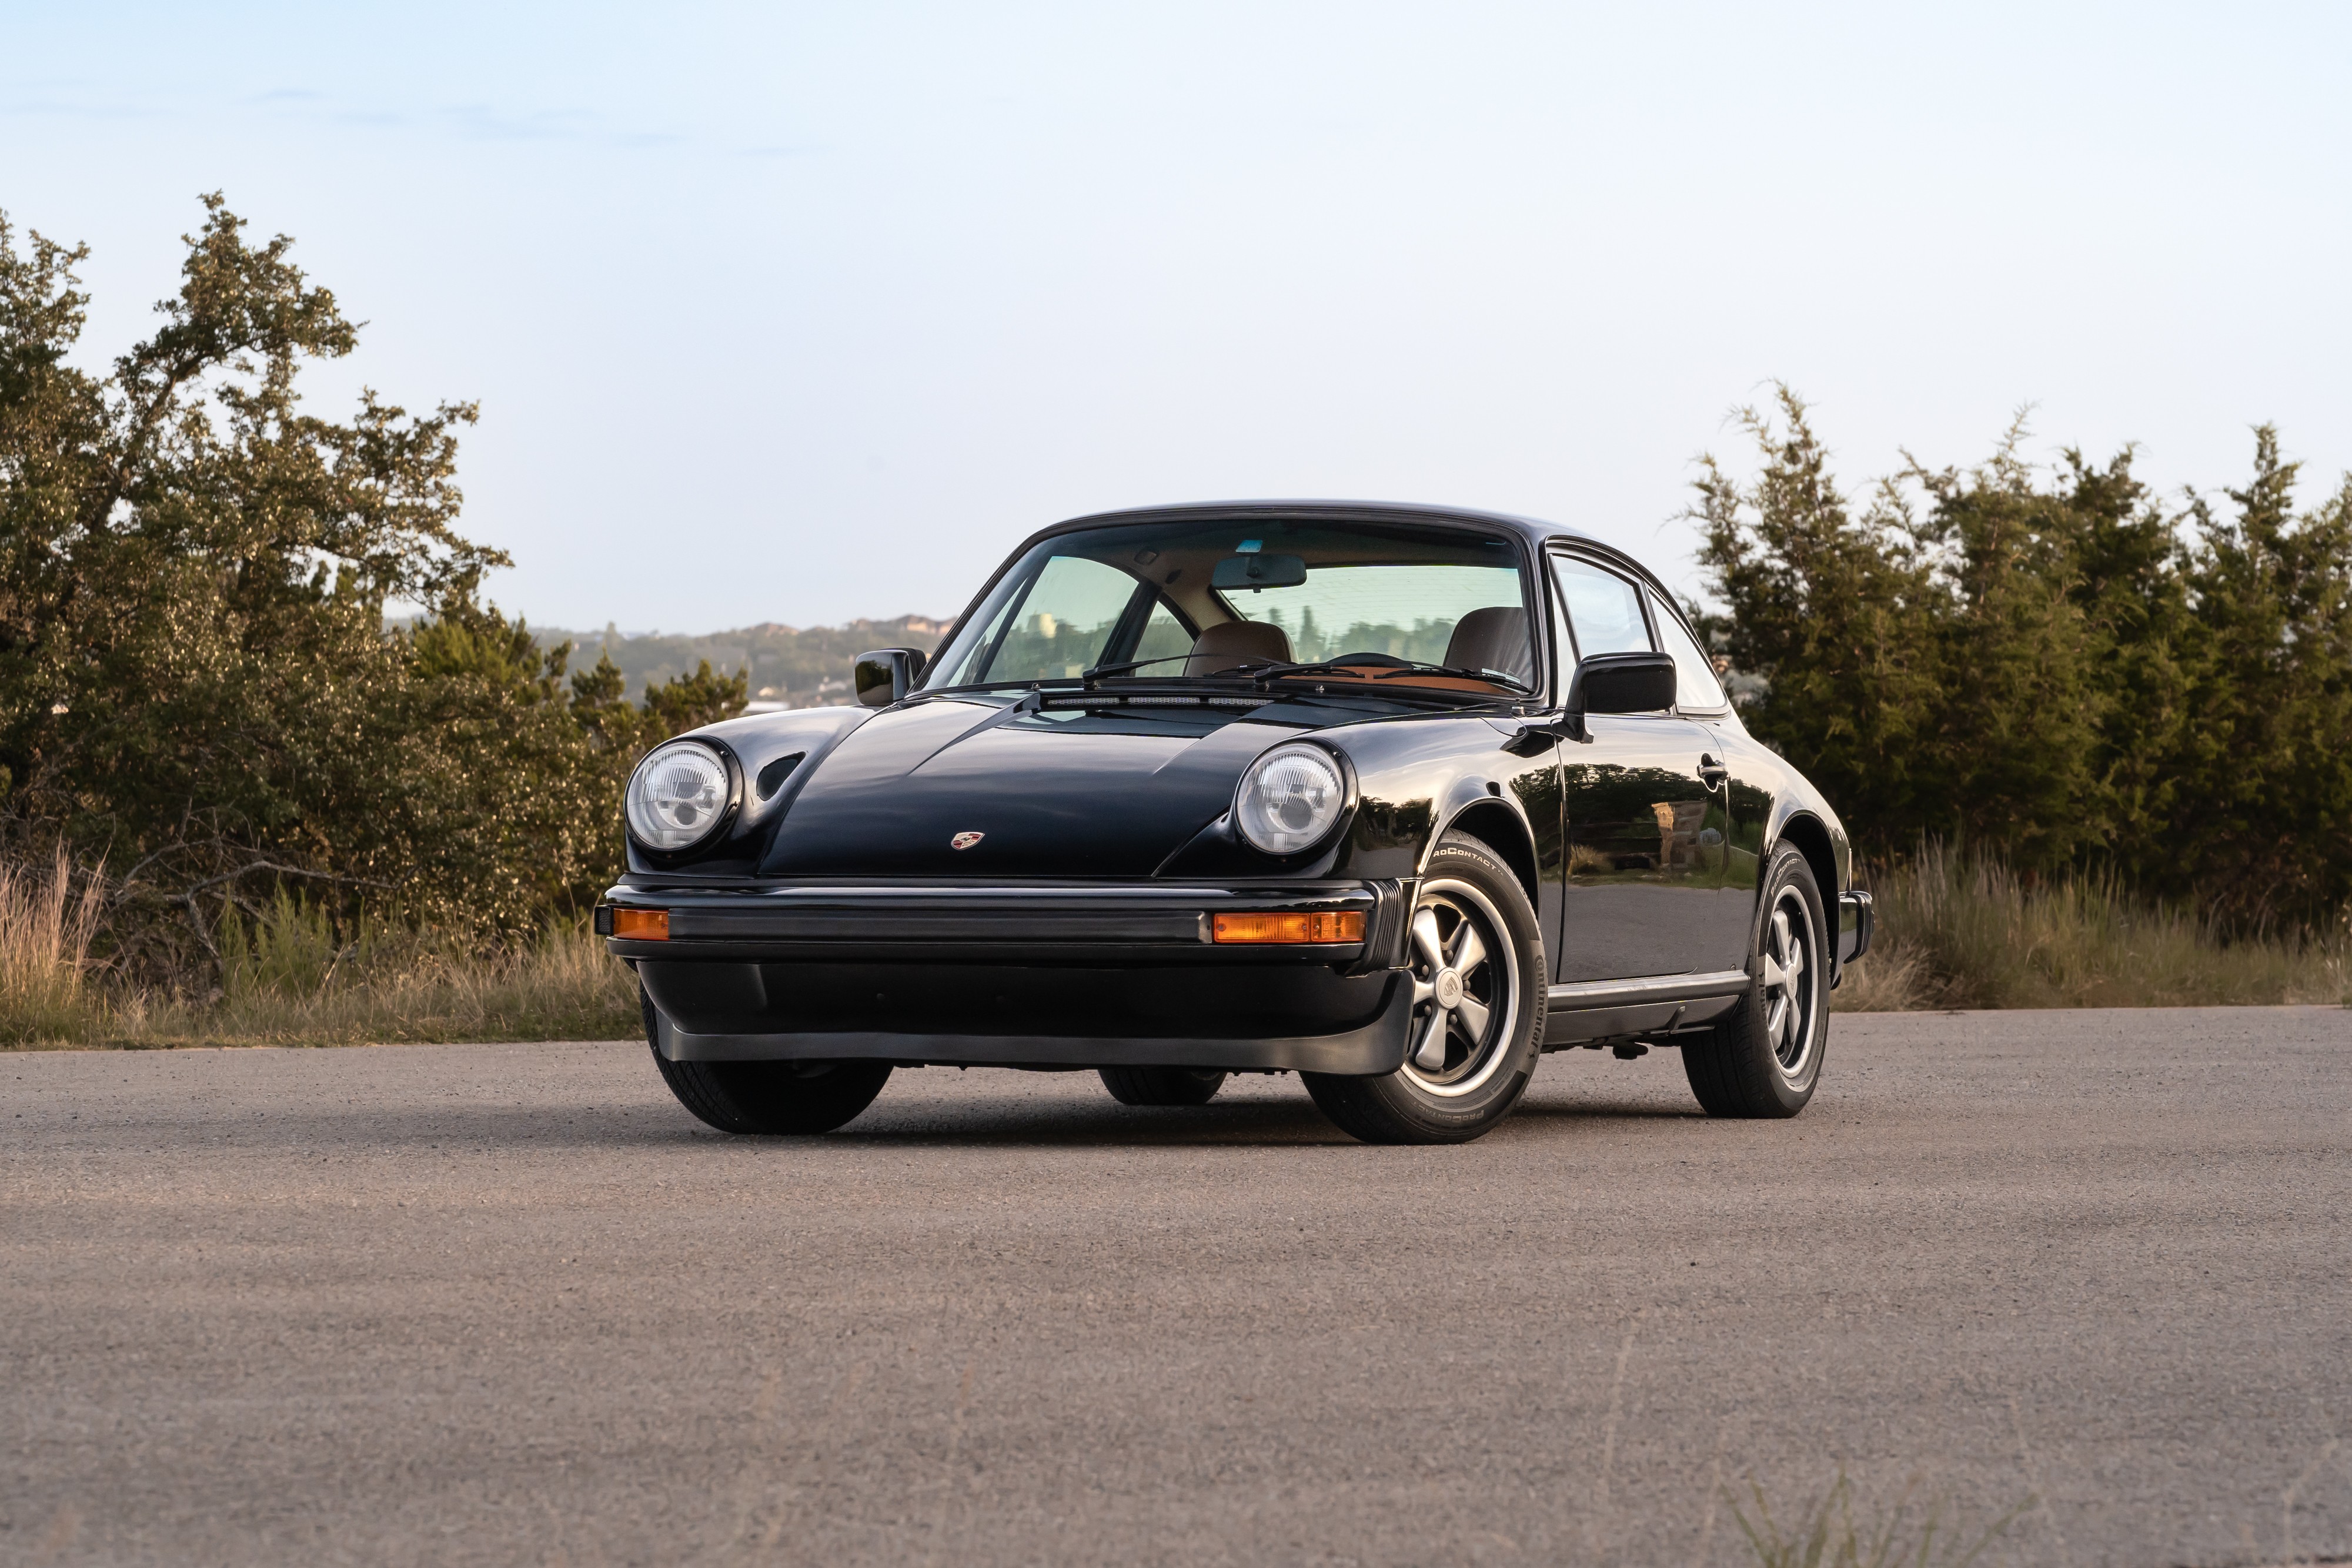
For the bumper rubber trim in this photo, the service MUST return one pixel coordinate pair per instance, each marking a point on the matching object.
(1376, 1049)
(1865, 910)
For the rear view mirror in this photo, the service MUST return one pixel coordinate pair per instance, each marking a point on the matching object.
(1259, 571)
(885, 675)
(1623, 683)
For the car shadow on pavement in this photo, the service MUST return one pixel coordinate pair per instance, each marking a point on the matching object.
(1013, 1123)
(992, 1121)
(1027, 1123)
(1603, 1110)
(1008, 1122)
(344, 1129)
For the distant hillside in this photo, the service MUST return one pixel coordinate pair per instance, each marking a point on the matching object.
(791, 666)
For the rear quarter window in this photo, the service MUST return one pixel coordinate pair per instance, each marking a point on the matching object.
(1695, 684)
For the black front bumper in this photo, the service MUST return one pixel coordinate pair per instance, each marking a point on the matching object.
(1050, 975)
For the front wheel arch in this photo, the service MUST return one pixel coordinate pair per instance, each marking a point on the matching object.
(1501, 829)
(1452, 1100)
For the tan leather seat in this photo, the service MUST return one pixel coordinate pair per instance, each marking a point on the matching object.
(1235, 643)
(1495, 638)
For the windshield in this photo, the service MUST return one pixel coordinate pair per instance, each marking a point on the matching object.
(1225, 596)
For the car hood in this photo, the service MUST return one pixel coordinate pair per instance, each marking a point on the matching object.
(1030, 793)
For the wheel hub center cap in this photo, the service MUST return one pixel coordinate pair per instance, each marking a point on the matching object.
(1449, 989)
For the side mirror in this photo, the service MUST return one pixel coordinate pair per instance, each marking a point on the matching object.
(885, 675)
(1622, 682)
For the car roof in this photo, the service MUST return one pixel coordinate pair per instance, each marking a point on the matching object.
(1532, 529)
(1535, 532)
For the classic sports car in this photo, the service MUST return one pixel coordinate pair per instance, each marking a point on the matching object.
(1395, 797)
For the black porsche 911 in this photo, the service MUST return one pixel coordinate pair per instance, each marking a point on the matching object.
(1396, 798)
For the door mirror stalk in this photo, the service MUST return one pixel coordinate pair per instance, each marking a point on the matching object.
(1534, 738)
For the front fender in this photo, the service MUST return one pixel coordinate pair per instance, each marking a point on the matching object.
(1419, 781)
(765, 746)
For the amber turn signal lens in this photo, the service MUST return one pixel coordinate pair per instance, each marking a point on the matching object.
(1345, 926)
(641, 924)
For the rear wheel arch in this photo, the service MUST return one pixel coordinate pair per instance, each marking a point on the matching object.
(1807, 833)
(1764, 1057)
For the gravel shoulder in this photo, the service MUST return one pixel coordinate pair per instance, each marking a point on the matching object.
(448, 1304)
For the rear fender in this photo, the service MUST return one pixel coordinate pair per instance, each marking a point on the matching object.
(1830, 859)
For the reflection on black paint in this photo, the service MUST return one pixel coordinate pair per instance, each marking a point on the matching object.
(1648, 853)
(1382, 825)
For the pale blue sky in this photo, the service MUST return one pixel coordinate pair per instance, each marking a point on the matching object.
(800, 313)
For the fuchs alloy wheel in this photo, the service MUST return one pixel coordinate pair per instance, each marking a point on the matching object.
(1162, 1086)
(1764, 1057)
(1476, 968)
(801, 1097)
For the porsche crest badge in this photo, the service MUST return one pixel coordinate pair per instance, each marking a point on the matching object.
(965, 841)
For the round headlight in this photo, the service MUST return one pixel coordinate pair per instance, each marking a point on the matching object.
(1289, 799)
(676, 796)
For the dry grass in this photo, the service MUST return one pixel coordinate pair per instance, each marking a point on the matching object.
(292, 978)
(1827, 1535)
(48, 988)
(562, 986)
(1954, 932)
(1958, 931)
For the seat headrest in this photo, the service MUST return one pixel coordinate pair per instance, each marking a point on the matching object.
(1495, 638)
(1230, 645)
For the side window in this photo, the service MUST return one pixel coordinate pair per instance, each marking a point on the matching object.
(1603, 611)
(1164, 637)
(1695, 682)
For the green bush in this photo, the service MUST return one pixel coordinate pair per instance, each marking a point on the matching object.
(2053, 665)
(248, 794)
(197, 681)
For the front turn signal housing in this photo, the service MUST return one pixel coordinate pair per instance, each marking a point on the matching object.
(1337, 925)
(641, 924)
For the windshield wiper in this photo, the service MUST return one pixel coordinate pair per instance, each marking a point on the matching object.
(1227, 679)
(1030, 684)
(1098, 671)
(1491, 677)
(1255, 671)
(1394, 668)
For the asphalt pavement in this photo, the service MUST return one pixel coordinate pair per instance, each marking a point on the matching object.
(458, 1304)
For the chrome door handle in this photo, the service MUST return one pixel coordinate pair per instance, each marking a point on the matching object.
(1712, 773)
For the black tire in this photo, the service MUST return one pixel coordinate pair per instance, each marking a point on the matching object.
(1760, 1060)
(796, 1097)
(1478, 1075)
(1162, 1086)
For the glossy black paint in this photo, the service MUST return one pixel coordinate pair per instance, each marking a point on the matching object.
(758, 744)
(1054, 793)
(1637, 836)
(1647, 854)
